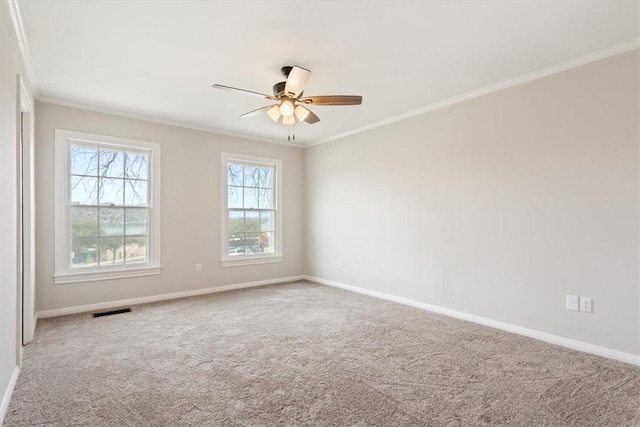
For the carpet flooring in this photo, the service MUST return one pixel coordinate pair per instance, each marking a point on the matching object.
(303, 354)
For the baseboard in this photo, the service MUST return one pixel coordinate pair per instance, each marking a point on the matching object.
(531, 333)
(163, 297)
(7, 395)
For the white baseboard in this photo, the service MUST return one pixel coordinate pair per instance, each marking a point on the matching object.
(7, 394)
(531, 333)
(163, 297)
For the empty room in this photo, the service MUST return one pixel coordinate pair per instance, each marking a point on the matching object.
(319, 213)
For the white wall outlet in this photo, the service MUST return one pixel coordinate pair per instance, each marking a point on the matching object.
(198, 268)
(572, 303)
(586, 304)
(340, 264)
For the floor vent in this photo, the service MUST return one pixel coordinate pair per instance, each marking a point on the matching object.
(109, 313)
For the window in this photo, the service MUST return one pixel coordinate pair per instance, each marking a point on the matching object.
(107, 207)
(252, 210)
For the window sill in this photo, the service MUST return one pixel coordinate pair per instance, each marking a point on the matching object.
(249, 260)
(92, 276)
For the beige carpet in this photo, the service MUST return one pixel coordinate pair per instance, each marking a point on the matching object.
(308, 355)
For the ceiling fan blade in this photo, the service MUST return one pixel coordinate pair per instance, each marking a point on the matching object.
(255, 112)
(246, 92)
(297, 80)
(332, 100)
(312, 118)
(304, 114)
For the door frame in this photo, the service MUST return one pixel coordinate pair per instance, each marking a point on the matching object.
(26, 218)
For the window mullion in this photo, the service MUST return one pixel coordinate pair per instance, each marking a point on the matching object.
(124, 228)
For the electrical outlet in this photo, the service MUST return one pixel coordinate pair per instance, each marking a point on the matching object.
(340, 263)
(586, 304)
(572, 303)
(198, 268)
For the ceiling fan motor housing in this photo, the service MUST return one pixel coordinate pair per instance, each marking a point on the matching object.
(278, 89)
(286, 70)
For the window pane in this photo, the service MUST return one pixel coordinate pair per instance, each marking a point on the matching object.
(84, 252)
(84, 161)
(235, 198)
(84, 190)
(236, 221)
(111, 251)
(136, 193)
(267, 221)
(234, 174)
(267, 242)
(111, 222)
(265, 198)
(251, 176)
(111, 163)
(266, 177)
(136, 221)
(137, 166)
(84, 222)
(111, 192)
(236, 244)
(252, 243)
(250, 198)
(252, 221)
(136, 250)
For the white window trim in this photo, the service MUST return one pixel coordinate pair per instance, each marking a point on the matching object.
(225, 259)
(63, 272)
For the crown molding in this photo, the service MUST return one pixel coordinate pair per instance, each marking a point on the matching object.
(160, 120)
(18, 26)
(535, 75)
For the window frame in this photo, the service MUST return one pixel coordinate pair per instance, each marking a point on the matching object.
(64, 139)
(261, 258)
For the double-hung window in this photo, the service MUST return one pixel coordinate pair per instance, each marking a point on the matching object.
(107, 207)
(252, 210)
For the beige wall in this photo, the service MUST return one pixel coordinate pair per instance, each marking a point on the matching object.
(498, 206)
(190, 209)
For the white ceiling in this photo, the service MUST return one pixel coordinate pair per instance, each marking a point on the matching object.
(160, 58)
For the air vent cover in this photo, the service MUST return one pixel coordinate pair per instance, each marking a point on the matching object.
(110, 312)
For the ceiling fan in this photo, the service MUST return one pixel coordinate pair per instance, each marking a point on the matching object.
(290, 104)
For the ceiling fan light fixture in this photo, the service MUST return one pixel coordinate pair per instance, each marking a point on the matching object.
(286, 108)
(290, 104)
(288, 120)
(301, 113)
(274, 112)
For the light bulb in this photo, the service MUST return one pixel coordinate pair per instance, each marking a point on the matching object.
(286, 108)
